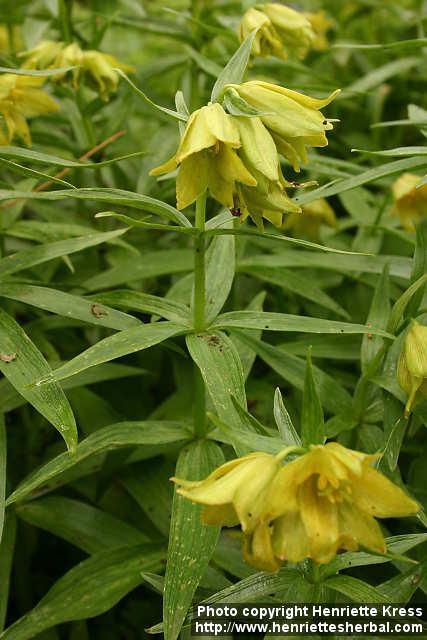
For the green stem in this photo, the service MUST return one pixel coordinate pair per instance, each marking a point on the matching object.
(199, 408)
(87, 123)
(199, 265)
(64, 13)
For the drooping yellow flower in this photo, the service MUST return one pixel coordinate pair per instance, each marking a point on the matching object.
(207, 158)
(98, 67)
(410, 203)
(22, 98)
(280, 31)
(295, 121)
(328, 500)
(313, 216)
(235, 492)
(268, 199)
(321, 24)
(412, 365)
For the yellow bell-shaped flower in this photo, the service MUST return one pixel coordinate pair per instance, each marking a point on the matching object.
(307, 224)
(22, 98)
(412, 365)
(267, 41)
(43, 56)
(207, 158)
(295, 121)
(280, 30)
(321, 24)
(410, 203)
(327, 500)
(99, 67)
(235, 492)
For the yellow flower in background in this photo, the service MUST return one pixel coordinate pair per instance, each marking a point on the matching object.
(280, 31)
(207, 158)
(295, 121)
(267, 41)
(321, 24)
(412, 365)
(97, 66)
(22, 98)
(313, 216)
(328, 500)
(235, 492)
(410, 203)
(6, 35)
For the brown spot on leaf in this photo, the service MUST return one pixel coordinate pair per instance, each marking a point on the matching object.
(7, 357)
(98, 311)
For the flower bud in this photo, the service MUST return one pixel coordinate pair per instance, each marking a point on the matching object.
(412, 365)
(267, 41)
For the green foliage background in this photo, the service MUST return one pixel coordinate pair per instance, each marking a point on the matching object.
(87, 535)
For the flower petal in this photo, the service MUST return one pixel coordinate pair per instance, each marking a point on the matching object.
(377, 495)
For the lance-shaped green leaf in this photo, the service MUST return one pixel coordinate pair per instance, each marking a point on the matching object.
(355, 589)
(220, 266)
(137, 301)
(235, 68)
(88, 589)
(149, 265)
(388, 169)
(402, 587)
(222, 371)
(332, 394)
(191, 543)
(401, 303)
(377, 317)
(288, 322)
(118, 197)
(284, 422)
(7, 546)
(3, 460)
(30, 155)
(300, 284)
(22, 364)
(81, 524)
(115, 436)
(398, 265)
(419, 267)
(68, 305)
(115, 346)
(33, 173)
(37, 255)
(396, 545)
(38, 73)
(312, 421)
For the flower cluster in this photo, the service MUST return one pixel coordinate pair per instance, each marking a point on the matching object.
(319, 503)
(410, 203)
(412, 365)
(279, 29)
(99, 67)
(20, 98)
(237, 157)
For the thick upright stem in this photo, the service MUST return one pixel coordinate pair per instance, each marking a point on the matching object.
(199, 265)
(199, 408)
